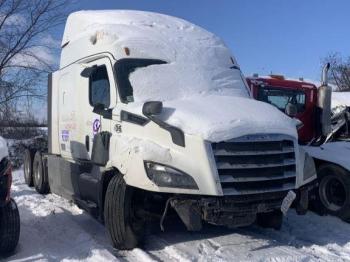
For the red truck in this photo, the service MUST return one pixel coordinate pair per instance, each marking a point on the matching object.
(323, 132)
(278, 91)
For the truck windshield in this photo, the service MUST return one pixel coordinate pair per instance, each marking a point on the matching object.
(141, 79)
(124, 68)
(281, 97)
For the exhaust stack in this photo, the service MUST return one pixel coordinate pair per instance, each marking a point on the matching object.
(324, 77)
(324, 102)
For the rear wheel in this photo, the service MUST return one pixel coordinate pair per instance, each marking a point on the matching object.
(28, 166)
(41, 180)
(272, 219)
(124, 226)
(334, 190)
(9, 227)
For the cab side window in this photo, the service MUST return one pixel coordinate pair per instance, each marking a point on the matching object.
(99, 88)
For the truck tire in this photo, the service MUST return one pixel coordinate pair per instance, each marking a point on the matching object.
(334, 190)
(40, 177)
(28, 166)
(9, 227)
(124, 228)
(272, 219)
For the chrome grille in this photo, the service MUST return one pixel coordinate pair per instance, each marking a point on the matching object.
(256, 164)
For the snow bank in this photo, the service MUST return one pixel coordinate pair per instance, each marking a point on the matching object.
(53, 229)
(3, 148)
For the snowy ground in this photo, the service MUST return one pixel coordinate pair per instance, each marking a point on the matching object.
(54, 229)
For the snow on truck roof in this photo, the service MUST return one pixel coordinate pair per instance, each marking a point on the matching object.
(197, 61)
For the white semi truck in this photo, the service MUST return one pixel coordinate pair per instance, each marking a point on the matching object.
(149, 112)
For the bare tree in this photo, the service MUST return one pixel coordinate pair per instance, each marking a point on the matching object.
(26, 47)
(340, 71)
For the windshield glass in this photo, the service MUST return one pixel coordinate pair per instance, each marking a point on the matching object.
(140, 80)
(124, 68)
(282, 97)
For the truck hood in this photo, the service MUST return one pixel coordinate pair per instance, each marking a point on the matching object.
(217, 118)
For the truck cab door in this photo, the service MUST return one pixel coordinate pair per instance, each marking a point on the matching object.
(98, 88)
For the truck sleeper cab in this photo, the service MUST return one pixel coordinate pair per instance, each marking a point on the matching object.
(140, 121)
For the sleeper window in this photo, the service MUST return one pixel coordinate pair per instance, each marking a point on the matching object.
(99, 92)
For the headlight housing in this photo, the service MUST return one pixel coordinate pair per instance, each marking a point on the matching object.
(165, 176)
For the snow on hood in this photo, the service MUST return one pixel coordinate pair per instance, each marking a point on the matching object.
(217, 118)
(3, 148)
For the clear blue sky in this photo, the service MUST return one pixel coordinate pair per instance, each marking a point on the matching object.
(289, 37)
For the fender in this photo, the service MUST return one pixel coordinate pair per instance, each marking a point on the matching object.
(334, 152)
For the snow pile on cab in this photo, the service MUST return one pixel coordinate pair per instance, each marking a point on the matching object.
(201, 85)
(198, 62)
(3, 148)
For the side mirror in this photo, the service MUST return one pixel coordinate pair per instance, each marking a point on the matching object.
(291, 110)
(88, 71)
(101, 110)
(152, 108)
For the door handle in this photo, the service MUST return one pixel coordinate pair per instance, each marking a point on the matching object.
(87, 143)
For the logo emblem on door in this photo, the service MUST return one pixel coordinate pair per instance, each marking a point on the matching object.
(96, 126)
(118, 128)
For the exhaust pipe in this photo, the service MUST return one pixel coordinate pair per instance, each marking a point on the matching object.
(324, 102)
(324, 78)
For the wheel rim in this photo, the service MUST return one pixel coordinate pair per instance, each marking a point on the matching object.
(333, 193)
(37, 174)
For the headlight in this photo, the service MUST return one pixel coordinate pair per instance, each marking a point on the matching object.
(165, 176)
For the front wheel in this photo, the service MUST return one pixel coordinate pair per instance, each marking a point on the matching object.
(9, 227)
(125, 228)
(334, 190)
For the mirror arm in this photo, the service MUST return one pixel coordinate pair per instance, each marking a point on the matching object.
(177, 135)
(105, 113)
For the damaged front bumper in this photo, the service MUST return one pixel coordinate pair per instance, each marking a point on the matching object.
(232, 211)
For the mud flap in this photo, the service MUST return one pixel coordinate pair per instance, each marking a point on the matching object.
(287, 202)
(189, 213)
(302, 202)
